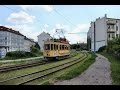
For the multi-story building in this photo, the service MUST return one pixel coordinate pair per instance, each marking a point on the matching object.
(28, 43)
(101, 31)
(43, 37)
(11, 40)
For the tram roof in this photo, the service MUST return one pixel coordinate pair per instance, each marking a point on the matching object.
(47, 42)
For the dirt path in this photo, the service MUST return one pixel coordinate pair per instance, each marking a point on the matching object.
(97, 74)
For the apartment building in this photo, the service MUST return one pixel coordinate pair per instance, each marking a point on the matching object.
(43, 37)
(101, 31)
(11, 40)
(28, 43)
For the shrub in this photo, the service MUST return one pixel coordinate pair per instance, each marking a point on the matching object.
(19, 54)
(37, 46)
(34, 50)
(101, 49)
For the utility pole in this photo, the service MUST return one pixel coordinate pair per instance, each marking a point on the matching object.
(94, 39)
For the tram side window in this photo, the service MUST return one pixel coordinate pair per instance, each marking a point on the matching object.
(51, 46)
(66, 47)
(47, 46)
(56, 47)
(62, 47)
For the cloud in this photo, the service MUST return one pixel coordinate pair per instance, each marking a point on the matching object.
(46, 26)
(81, 28)
(76, 38)
(21, 18)
(30, 31)
(48, 8)
(77, 35)
(26, 30)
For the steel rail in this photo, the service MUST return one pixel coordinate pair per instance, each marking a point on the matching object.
(41, 76)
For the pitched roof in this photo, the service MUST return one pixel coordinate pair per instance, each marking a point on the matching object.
(2, 28)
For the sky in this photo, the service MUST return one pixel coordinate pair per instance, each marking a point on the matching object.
(31, 20)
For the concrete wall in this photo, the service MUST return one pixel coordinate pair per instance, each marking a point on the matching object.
(41, 38)
(14, 41)
(100, 33)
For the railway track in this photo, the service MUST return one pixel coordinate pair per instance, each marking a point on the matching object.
(20, 66)
(25, 79)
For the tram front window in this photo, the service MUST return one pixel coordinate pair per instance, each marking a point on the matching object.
(47, 46)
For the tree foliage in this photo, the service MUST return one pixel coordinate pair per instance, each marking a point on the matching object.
(37, 46)
(113, 46)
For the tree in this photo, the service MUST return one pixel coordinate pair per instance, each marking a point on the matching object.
(37, 46)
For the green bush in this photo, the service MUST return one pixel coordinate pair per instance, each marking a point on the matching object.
(34, 50)
(101, 49)
(19, 54)
(37, 46)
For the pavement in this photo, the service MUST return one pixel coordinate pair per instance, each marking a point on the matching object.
(97, 74)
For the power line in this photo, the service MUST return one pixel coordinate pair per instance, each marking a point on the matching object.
(55, 11)
(64, 17)
(9, 8)
(69, 22)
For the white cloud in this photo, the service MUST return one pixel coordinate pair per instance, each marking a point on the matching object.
(21, 18)
(46, 26)
(48, 8)
(73, 38)
(30, 31)
(81, 28)
(26, 30)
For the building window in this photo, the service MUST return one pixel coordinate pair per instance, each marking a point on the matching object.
(113, 35)
(116, 35)
(112, 26)
(5, 38)
(109, 35)
(116, 28)
(108, 26)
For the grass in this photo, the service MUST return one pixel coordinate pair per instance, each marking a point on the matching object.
(70, 72)
(22, 61)
(115, 68)
(6, 75)
(46, 79)
(47, 83)
(78, 69)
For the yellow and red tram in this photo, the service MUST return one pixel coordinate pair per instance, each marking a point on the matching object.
(56, 49)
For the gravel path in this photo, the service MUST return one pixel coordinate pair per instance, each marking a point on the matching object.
(97, 74)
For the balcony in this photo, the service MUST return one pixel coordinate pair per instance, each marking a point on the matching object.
(111, 30)
(111, 22)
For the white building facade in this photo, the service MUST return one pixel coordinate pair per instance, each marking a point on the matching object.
(103, 29)
(11, 40)
(43, 37)
(28, 43)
